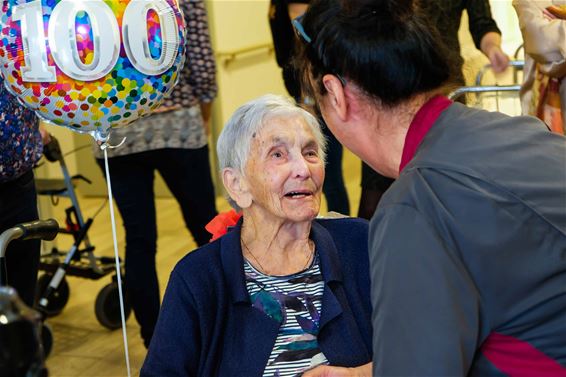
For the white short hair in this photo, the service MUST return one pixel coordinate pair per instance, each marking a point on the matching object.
(233, 146)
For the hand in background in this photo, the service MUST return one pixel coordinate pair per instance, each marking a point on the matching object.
(556, 11)
(491, 47)
(498, 59)
(548, 15)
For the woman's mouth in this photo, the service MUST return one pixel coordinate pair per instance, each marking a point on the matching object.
(299, 194)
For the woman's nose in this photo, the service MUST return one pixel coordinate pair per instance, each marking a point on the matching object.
(301, 167)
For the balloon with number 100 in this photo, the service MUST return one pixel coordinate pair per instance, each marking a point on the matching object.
(91, 65)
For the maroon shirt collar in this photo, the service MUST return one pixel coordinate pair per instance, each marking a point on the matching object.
(421, 124)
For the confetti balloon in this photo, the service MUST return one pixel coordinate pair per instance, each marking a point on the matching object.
(91, 65)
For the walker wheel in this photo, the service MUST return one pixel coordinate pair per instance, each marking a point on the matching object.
(46, 339)
(107, 307)
(58, 298)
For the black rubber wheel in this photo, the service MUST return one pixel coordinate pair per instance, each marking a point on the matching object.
(46, 339)
(107, 307)
(57, 300)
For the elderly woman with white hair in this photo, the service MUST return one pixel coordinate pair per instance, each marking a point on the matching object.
(283, 291)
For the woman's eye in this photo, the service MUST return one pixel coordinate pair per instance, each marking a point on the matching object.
(311, 153)
(277, 154)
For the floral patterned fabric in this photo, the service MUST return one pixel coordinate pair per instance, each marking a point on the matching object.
(20, 140)
(295, 302)
(545, 61)
(197, 82)
(178, 122)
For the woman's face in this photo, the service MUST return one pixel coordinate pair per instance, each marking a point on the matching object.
(285, 171)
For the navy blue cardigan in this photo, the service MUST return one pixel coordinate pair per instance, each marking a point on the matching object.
(208, 327)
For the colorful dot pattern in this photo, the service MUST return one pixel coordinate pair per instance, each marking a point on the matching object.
(119, 98)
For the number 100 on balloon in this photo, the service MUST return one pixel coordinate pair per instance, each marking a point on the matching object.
(91, 63)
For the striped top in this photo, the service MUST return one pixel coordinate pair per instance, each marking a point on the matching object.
(294, 301)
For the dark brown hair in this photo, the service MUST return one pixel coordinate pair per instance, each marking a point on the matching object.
(384, 46)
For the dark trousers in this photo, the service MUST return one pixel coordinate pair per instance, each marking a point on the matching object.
(18, 204)
(187, 174)
(334, 188)
(374, 186)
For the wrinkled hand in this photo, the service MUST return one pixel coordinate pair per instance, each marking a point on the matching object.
(556, 11)
(498, 59)
(548, 15)
(330, 371)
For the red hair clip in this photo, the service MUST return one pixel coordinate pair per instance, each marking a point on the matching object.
(220, 224)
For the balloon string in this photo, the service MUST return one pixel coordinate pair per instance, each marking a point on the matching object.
(117, 260)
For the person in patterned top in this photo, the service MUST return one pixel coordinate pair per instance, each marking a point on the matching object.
(174, 142)
(283, 292)
(20, 148)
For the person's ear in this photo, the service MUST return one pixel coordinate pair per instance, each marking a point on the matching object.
(237, 187)
(336, 95)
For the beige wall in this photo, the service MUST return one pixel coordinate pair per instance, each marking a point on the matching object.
(240, 25)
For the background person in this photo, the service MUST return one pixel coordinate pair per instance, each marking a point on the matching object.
(468, 247)
(446, 16)
(21, 147)
(281, 12)
(173, 142)
(543, 92)
(282, 292)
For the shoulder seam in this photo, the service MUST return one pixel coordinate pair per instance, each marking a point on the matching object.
(473, 174)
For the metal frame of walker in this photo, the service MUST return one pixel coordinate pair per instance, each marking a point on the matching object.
(516, 64)
(79, 260)
(478, 88)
